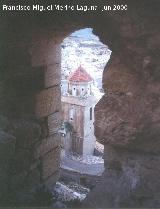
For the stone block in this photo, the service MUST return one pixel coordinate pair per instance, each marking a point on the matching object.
(4, 123)
(46, 145)
(22, 160)
(2, 96)
(48, 101)
(14, 59)
(26, 132)
(21, 85)
(44, 127)
(17, 180)
(54, 122)
(38, 78)
(35, 164)
(52, 75)
(7, 147)
(50, 182)
(32, 180)
(45, 52)
(25, 182)
(7, 150)
(50, 163)
(3, 187)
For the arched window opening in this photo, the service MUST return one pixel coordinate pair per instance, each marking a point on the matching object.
(71, 114)
(83, 60)
(90, 111)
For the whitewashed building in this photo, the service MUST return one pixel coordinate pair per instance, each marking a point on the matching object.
(78, 102)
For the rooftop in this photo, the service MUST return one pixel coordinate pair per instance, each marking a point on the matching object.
(80, 75)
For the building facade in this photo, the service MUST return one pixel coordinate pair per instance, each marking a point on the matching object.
(78, 102)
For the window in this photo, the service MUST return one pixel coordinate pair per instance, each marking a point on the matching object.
(71, 113)
(82, 91)
(74, 91)
(90, 113)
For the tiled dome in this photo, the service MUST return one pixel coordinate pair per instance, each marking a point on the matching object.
(80, 75)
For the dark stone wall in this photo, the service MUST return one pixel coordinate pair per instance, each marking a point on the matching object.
(29, 118)
(127, 117)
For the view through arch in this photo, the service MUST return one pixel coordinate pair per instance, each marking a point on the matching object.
(83, 58)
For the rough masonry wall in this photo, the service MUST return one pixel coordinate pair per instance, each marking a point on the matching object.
(127, 123)
(126, 118)
(29, 120)
(46, 58)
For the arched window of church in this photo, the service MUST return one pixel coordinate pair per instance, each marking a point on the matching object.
(82, 91)
(71, 114)
(74, 91)
(90, 113)
(90, 90)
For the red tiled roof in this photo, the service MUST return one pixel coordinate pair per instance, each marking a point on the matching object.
(80, 75)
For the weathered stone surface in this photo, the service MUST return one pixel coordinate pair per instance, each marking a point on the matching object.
(35, 164)
(2, 96)
(7, 145)
(52, 75)
(32, 180)
(127, 119)
(17, 181)
(50, 163)
(22, 160)
(128, 115)
(59, 204)
(50, 182)
(7, 150)
(46, 145)
(4, 123)
(48, 101)
(54, 122)
(26, 132)
(45, 52)
(126, 122)
(128, 184)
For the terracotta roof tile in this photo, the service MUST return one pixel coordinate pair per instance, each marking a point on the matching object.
(80, 75)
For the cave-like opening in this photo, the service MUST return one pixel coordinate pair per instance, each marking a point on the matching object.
(83, 58)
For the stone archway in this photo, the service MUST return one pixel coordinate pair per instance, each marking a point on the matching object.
(130, 133)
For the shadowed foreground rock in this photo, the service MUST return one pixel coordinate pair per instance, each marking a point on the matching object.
(126, 118)
(127, 123)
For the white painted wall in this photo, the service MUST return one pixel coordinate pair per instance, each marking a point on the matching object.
(89, 138)
(80, 88)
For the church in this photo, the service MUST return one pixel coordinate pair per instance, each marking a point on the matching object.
(78, 102)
